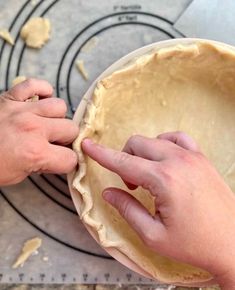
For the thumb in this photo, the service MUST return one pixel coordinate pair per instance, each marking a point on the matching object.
(150, 229)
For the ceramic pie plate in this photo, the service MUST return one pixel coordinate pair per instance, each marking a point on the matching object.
(221, 56)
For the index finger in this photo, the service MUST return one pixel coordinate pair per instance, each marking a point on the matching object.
(28, 88)
(133, 169)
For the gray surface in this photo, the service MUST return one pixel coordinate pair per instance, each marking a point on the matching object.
(93, 287)
(62, 260)
(68, 17)
(212, 19)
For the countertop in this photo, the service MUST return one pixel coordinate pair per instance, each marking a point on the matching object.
(92, 287)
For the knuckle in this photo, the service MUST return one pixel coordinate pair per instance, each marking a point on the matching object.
(162, 135)
(151, 177)
(25, 122)
(184, 156)
(33, 154)
(132, 140)
(130, 143)
(165, 177)
(121, 158)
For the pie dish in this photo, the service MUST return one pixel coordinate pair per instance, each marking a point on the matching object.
(181, 84)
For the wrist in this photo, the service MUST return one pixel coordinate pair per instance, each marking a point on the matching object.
(223, 265)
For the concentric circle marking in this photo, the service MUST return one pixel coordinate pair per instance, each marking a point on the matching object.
(49, 235)
(38, 184)
(72, 107)
(18, 36)
(98, 31)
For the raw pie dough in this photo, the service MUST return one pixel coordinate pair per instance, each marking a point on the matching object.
(18, 80)
(30, 247)
(5, 34)
(81, 68)
(36, 32)
(184, 87)
(90, 44)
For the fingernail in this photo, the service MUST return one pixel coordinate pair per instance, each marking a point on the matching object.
(108, 196)
(87, 141)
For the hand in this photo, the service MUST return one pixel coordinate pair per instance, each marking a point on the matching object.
(194, 220)
(31, 133)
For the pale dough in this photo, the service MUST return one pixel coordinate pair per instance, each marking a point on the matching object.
(90, 44)
(17, 80)
(190, 88)
(33, 2)
(5, 34)
(29, 248)
(36, 32)
(81, 68)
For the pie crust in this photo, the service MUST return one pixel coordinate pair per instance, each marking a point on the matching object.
(185, 85)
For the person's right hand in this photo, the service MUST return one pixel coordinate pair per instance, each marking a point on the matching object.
(194, 220)
(31, 133)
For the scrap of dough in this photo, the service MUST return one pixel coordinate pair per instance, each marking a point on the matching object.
(28, 249)
(33, 2)
(36, 32)
(81, 69)
(197, 84)
(33, 99)
(19, 80)
(5, 34)
(90, 44)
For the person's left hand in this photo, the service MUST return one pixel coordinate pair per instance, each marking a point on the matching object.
(32, 133)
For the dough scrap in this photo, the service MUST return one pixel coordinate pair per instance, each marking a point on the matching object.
(195, 85)
(29, 248)
(36, 32)
(81, 68)
(33, 2)
(33, 99)
(17, 80)
(5, 34)
(90, 44)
